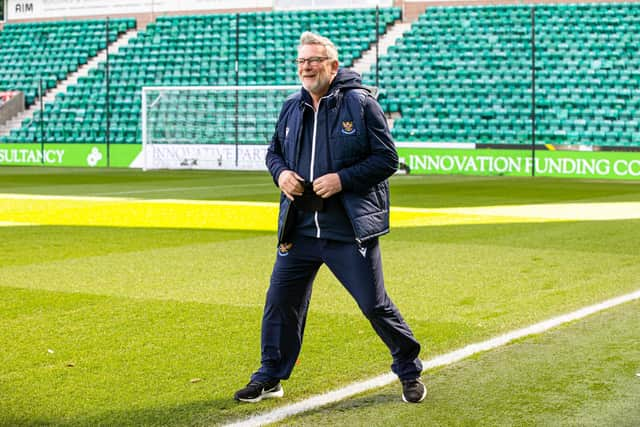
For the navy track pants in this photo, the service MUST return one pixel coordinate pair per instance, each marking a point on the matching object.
(287, 303)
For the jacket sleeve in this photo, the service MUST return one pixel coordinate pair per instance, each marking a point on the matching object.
(382, 160)
(275, 156)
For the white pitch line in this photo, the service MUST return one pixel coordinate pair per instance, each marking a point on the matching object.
(317, 401)
(12, 196)
(15, 224)
(183, 189)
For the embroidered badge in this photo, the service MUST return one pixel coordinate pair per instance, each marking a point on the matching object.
(347, 128)
(283, 248)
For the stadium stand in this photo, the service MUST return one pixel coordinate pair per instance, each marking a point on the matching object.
(49, 51)
(460, 74)
(589, 74)
(197, 50)
(463, 74)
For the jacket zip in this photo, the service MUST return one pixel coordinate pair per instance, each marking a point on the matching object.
(313, 152)
(313, 159)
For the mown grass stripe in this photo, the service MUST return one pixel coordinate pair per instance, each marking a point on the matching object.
(233, 215)
(139, 213)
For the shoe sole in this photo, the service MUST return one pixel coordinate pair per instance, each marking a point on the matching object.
(404, 399)
(265, 395)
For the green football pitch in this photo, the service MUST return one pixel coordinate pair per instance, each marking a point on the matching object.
(135, 298)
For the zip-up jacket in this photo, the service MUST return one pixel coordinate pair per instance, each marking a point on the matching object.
(352, 139)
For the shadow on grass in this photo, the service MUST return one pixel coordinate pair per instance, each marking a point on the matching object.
(210, 412)
(386, 399)
(198, 413)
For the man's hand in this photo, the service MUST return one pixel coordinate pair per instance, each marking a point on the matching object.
(327, 185)
(290, 183)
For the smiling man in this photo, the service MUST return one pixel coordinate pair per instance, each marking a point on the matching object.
(330, 156)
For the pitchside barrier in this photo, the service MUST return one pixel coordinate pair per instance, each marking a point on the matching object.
(545, 160)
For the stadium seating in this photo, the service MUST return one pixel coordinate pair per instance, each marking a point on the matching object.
(589, 70)
(49, 51)
(198, 50)
(463, 74)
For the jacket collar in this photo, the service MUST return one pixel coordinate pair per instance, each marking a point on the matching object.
(345, 79)
(330, 99)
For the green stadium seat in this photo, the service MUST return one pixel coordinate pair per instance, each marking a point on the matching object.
(477, 66)
(195, 50)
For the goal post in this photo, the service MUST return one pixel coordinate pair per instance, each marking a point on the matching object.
(209, 127)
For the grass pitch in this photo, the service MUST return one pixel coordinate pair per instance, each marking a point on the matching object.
(583, 374)
(143, 323)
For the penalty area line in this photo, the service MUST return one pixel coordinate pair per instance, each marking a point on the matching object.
(317, 401)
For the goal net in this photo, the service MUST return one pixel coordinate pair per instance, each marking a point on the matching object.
(209, 127)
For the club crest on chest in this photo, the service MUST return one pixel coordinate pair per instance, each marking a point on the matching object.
(283, 248)
(347, 128)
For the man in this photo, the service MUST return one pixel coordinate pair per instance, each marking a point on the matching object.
(330, 156)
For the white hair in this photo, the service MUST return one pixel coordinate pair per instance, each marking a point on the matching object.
(308, 38)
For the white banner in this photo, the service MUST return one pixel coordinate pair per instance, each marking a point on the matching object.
(38, 9)
(330, 4)
(208, 157)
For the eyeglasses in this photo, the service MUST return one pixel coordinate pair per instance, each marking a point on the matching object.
(313, 60)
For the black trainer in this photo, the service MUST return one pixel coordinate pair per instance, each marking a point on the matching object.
(413, 391)
(256, 391)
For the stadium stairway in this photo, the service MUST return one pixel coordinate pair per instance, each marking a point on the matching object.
(49, 96)
(368, 59)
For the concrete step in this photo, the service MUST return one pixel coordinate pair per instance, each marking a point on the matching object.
(368, 59)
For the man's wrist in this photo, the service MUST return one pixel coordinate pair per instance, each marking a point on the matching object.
(279, 173)
(344, 180)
